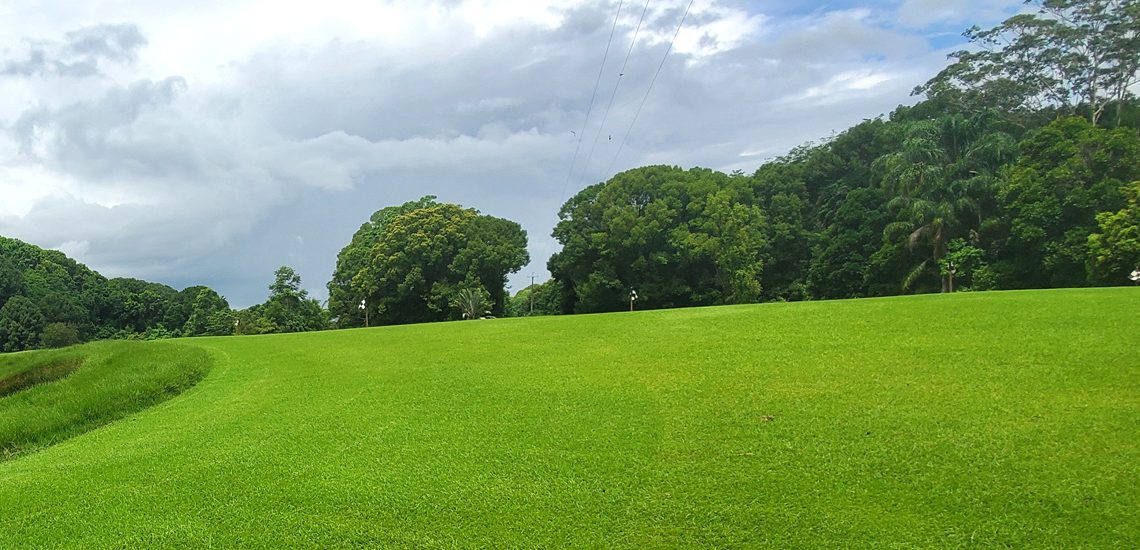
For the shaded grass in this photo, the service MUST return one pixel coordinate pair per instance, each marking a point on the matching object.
(22, 371)
(117, 379)
(976, 420)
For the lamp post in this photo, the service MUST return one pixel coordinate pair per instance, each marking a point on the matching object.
(364, 307)
(632, 298)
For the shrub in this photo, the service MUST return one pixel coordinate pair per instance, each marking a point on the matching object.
(59, 335)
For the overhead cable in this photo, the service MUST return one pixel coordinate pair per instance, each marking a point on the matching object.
(650, 89)
(621, 73)
(594, 94)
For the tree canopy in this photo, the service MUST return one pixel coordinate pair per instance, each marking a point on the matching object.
(288, 309)
(679, 237)
(74, 300)
(1073, 55)
(344, 297)
(411, 263)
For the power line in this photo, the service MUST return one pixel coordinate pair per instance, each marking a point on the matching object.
(605, 56)
(621, 73)
(650, 89)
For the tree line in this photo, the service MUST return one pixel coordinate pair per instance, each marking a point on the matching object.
(1007, 175)
(50, 300)
(916, 203)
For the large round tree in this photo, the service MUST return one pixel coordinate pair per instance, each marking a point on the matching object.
(344, 296)
(678, 237)
(411, 263)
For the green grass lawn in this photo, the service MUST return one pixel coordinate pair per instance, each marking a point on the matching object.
(977, 420)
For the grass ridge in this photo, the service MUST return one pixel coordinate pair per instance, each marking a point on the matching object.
(25, 376)
(116, 379)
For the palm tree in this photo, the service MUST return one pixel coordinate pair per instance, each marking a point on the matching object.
(472, 302)
(942, 168)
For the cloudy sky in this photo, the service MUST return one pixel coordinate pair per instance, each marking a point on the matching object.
(210, 142)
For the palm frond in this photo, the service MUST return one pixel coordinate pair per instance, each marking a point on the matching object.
(915, 274)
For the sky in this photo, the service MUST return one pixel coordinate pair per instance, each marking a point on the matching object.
(211, 142)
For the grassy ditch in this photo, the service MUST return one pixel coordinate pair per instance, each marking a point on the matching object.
(46, 397)
(20, 372)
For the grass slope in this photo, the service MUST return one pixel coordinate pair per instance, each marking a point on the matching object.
(19, 372)
(989, 419)
(49, 396)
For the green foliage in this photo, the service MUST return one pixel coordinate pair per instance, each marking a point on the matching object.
(209, 315)
(1075, 55)
(11, 280)
(64, 291)
(139, 305)
(1067, 173)
(288, 309)
(59, 335)
(344, 297)
(538, 299)
(780, 192)
(21, 324)
(1114, 251)
(961, 261)
(69, 293)
(250, 321)
(681, 238)
(424, 257)
(845, 246)
(472, 303)
(940, 179)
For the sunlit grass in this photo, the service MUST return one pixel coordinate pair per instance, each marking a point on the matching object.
(992, 419)
(53, 395)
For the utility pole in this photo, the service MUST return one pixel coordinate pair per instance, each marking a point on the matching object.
(532, 294)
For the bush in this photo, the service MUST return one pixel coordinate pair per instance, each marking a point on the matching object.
(473, 303)
(984, 278)
(59, 335)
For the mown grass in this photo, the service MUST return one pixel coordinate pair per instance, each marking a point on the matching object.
(50, 398)
(974, 420)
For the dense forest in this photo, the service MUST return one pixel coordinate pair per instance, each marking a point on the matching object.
(1019, 168)
(922, 202)
(50, 300)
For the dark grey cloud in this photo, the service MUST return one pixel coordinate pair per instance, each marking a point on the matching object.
(84, 139)
(79, 54)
